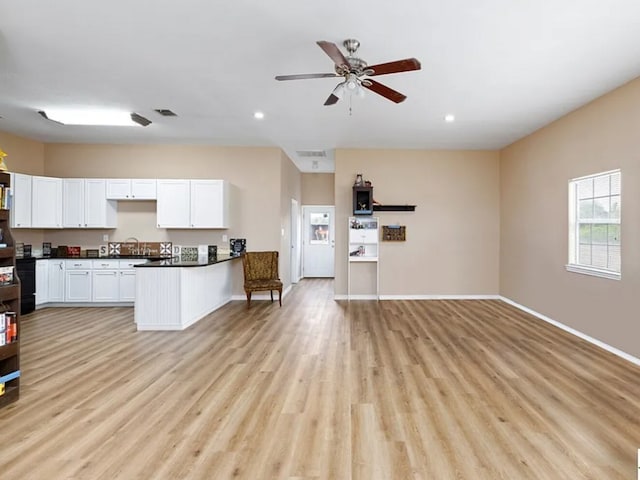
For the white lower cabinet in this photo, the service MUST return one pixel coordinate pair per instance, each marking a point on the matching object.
(56, 280)
(105, 280)
(78, 281)
(42, 281)
(84, 281)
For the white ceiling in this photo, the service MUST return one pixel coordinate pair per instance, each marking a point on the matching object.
(503, 67)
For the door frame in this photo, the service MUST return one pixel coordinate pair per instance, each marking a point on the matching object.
(296, 255)
(302, 221)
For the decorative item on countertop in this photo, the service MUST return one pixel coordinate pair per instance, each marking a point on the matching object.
(165, 249)
(19, 250)
(212, 251)
(189, 254)
(114, 248)
(93, 253)
(359, 182)
(62, 251)
(27, 250)
(46, 249)
(73, 252)
(237, 246)
(177, 250)
(3, 166)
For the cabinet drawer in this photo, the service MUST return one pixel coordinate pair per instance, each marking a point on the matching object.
(130, 263)
(105, 264)
(78, 264)
(363, 235)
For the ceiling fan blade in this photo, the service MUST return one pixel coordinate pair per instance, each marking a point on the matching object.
(334, 52)
(405, 65)
(332, 100)
(385, 91)
(304, 76)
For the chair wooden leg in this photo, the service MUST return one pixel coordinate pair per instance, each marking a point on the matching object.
(248, 299)
(280, 296)
(271, 292)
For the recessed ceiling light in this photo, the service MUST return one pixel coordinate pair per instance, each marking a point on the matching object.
(258, 115)
(450, 118)
(95, 117)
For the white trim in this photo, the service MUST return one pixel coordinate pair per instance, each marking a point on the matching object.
(440, 297)
(594, 272)
(575, 332)
(355, 297)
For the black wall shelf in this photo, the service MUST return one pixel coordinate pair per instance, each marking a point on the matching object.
(394, 208)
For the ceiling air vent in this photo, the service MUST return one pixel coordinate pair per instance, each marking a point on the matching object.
(165, 112)
(311, 153)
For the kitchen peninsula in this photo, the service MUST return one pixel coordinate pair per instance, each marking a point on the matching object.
(173, 294)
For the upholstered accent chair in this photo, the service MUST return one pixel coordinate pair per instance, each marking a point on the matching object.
(261, 274)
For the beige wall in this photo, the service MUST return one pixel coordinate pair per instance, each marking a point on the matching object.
(534, 238)
(318, 188)
(452, 245)
(291, 189)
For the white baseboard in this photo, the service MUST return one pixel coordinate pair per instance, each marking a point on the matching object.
(440, 297)
(417, 297)
(575, 332)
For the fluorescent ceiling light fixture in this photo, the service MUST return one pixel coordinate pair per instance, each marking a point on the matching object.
(258, 115)
(95, 117)
(449, 118)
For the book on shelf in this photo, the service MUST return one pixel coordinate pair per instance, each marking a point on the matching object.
(8, 328)
(6, 275)
(5, 197)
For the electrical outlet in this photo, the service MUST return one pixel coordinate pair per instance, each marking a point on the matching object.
(105, 237)
(225, 238)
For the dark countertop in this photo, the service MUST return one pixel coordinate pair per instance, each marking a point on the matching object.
(108, 257)
(175, 262)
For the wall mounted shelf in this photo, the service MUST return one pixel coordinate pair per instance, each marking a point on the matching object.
(394, 208)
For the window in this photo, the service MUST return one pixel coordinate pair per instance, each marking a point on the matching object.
(594, 225)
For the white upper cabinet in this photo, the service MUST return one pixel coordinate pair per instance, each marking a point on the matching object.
(46, 206)
(131, 189)
(193, 204)
(21, 201)
(85, 204)
(174, 204)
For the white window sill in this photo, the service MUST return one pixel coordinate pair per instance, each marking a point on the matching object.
(594, 272)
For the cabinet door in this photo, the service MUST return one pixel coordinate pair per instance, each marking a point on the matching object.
(56, 280)
(173, 204)
(205, 203)
(77, 286)
(73, 203)
(46, 202)
(118, 188)
(105, 286)
(127, 285)
(21, 201)
(143, 188)
(99, 212)
(42, 281)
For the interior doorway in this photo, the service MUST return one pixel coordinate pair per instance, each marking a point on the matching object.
(318, 241)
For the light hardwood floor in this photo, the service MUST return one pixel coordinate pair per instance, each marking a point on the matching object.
(319, 389)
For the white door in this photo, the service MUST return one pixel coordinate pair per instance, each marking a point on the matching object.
(42, 281)
(318, 241)
(295, 241)
(78, 286)
(56, 280)
(46, 202)
(73, 203)
(105, 286)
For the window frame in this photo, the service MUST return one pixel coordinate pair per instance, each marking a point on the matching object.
(574, 229)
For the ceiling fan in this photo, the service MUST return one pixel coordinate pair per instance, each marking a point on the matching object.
(354, 70)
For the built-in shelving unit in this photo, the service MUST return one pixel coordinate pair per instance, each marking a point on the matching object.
(364, 238)
(9, 307)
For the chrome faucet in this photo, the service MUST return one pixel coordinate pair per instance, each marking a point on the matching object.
(137, 249)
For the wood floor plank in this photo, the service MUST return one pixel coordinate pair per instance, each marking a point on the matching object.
(319, 389)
